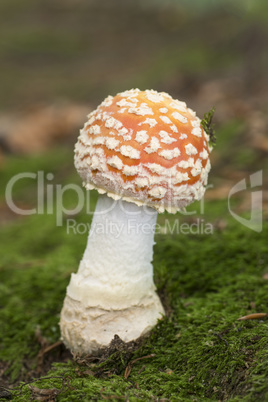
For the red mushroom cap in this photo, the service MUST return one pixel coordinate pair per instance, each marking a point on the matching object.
(146, 148)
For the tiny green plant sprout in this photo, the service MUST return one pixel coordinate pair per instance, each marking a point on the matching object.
(208, 127)
(145, 153)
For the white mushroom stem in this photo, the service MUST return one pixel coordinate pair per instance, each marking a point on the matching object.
(113, 291)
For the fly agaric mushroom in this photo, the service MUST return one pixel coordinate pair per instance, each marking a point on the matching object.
(138, 148)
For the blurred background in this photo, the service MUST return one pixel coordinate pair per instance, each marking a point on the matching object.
(60, 58)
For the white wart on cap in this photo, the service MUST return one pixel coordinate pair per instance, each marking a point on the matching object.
(144, 147)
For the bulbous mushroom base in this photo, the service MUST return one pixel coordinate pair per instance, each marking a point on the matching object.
(87, 330)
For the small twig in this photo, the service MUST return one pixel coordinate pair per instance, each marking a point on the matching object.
(51, 347)
(41, 393)
(44, 391)
(129, 366)
(255, 316)
(141, 369)
(41, 379)
(221, 338)
(4, 388)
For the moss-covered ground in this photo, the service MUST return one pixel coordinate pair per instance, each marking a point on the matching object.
(200, 351)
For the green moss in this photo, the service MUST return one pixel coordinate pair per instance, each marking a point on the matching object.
(200, 351)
